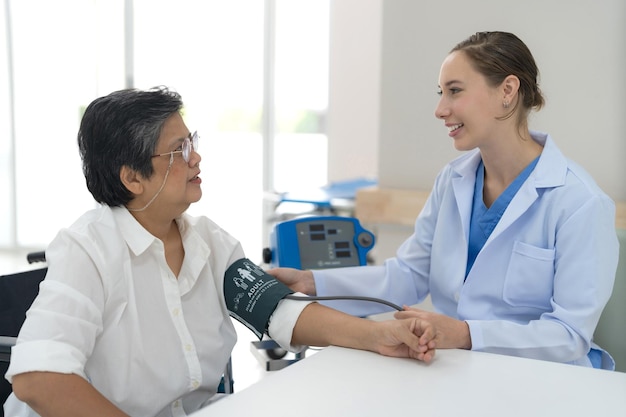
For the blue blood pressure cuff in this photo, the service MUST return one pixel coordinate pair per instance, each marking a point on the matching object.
(252, 295)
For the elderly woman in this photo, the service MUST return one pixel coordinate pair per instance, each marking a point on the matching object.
(131, 318)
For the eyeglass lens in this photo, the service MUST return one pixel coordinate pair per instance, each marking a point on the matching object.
(190, 144)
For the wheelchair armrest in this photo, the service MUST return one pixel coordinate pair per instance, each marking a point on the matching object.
(36, 257)
(6, 343)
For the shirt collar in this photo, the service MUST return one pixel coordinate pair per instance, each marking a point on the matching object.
(139, 240)
(136, 236)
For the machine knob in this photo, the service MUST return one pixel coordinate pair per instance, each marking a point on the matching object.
(267, 255)
(365, 239)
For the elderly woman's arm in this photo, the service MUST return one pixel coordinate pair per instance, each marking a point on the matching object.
(53, 394)
(318, 325)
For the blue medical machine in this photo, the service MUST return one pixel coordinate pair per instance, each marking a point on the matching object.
(318, 242)
(312, 242)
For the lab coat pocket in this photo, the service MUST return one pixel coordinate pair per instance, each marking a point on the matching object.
(529, 277)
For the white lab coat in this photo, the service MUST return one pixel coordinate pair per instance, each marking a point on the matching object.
(539, 284)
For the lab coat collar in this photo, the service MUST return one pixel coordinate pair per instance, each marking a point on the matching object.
(551, 169)
(550, 172)
(463, 180)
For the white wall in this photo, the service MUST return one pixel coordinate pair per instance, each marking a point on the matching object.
(384, 69)
(354, 78)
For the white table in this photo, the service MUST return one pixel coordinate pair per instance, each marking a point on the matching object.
(344, 382)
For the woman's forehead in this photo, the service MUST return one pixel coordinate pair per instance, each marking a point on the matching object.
(456, 68)
(174, 129)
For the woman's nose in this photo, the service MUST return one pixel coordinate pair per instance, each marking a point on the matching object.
(441, 111)
(195, 158)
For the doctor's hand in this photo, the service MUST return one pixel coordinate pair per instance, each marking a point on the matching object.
(451, 333)
(295, 279)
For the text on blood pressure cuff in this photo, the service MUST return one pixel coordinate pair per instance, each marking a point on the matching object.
(252, 295)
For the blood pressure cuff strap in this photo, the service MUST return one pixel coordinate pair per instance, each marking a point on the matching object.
(252, 295)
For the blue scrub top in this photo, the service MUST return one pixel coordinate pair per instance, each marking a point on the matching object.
(483, 219)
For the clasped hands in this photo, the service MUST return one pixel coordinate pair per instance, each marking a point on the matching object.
(434, 330)
(397, 337)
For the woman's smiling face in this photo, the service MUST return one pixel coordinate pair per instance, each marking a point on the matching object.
(468, 105)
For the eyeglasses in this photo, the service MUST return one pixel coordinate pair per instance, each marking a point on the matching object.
(189, 144)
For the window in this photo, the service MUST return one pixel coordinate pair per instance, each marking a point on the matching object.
(212, 53)
(301, 94)
(56, 68)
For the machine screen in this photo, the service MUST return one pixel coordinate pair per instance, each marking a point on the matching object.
(327, 244)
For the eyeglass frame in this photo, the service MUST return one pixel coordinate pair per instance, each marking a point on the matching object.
(189, 144)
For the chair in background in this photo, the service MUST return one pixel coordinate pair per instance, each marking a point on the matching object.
(611, 331)
(17, 292)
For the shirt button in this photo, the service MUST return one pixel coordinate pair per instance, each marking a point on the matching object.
(177, 403)
(456, 296)
(176, 311)
(188, 348)
(195, 384)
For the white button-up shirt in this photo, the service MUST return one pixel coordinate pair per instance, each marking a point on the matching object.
(112, 311)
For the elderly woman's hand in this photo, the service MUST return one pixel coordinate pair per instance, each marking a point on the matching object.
(408, 338)
(451, 333)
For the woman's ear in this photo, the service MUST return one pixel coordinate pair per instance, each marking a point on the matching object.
(131, 179)
(510, 89)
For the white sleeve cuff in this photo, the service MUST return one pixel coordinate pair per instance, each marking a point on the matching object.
(45, 356)
(284, 320)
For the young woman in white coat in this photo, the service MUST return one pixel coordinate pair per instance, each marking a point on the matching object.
(516, 244)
